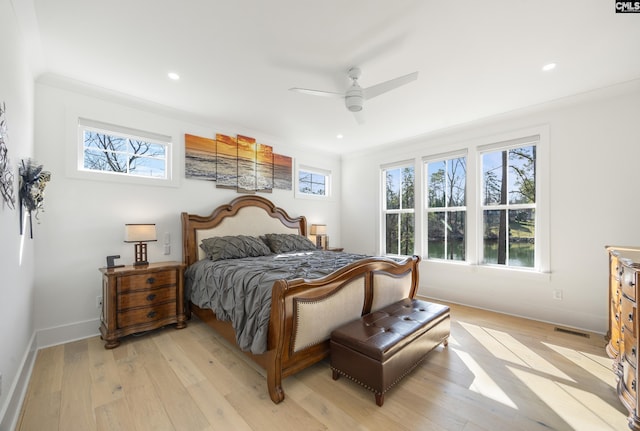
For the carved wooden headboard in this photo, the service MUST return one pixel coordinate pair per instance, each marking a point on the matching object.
(245, 215)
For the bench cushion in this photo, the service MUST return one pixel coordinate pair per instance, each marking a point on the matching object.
(379, 335)
(380, 348)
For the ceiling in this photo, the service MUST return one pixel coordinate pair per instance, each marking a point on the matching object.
(237, 59)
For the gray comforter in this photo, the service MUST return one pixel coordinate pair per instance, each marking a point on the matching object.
(239, 290)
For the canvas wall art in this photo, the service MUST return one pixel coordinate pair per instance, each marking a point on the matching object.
(200, 157)
(226, 161)
(282, 172)
(246, 164)
(238, 163)
(264, 168)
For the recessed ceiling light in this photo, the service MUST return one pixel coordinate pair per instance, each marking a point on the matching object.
(339, 136)
(174, 76)
(548, 67)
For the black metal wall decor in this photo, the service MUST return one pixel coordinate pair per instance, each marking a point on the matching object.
(32, 183)
(6, 174)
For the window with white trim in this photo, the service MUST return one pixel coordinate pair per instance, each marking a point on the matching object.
(313, 182)
(508, 204)
(115, 150)
(446, 211)
(398, 212)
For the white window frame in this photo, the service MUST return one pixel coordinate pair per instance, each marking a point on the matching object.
(434, 159)
(383, 219)
(498, 147)
(79, 171)
(315, 171)
(474, 226)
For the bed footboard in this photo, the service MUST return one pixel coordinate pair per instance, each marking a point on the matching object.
(305, 312)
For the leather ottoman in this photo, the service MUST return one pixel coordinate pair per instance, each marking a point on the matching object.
(380, 348)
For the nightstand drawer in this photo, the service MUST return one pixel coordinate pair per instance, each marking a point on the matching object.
(145, 315)
(146, 297)
(141, 298)
(629, 282)
(629, 380)
(146, 281)
(628, 316)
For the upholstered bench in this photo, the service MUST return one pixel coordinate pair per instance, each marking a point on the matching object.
(380, 348)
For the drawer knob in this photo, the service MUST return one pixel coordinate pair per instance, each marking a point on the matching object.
(630, 317)
(632, 283)
(633, 350)
(633, 385)
(151, 314)
(617, 317)
(151, 297)
(151, 280)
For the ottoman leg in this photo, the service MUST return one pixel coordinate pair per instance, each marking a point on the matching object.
(335, 375)
(379, 399)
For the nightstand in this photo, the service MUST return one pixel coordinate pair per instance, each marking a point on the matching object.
(141, 298)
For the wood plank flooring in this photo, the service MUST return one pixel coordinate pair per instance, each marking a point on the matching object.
(498, 373)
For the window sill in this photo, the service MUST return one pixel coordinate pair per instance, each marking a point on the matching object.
(490, 270)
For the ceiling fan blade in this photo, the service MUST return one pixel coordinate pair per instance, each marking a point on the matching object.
(359, 116)
(383, 87)
(316, 92)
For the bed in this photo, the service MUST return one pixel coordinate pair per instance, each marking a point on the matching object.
(300, 307)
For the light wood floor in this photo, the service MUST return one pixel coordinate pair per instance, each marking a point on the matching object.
(498, 373)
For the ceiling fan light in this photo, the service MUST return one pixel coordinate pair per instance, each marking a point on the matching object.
(353, 102)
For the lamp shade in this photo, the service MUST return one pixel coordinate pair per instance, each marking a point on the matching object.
(139, 232)
(318, 229)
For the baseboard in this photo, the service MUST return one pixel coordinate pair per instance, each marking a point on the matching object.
(66, 333)
(10, 412)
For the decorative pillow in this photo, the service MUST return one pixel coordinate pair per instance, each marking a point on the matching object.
(284, 242)
(234, 247)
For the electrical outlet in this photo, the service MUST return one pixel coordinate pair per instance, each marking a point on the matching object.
(99, 301)
(557, 294)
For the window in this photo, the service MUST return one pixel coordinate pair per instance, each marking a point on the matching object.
(120, 151)
(446, 208)
(485, 204)
(398, 211)
(508, 205)
(313, 182)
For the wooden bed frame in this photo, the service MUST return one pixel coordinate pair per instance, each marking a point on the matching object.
(303, 312)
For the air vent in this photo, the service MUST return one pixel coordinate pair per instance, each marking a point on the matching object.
(572, 332)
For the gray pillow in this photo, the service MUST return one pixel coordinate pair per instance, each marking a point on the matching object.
(234, 247)
(285, 242)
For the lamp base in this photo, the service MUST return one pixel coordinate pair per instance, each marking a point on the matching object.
(141, 254)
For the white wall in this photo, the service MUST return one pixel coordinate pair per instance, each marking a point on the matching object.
(84, 220)
(594, 149)
(16, 257)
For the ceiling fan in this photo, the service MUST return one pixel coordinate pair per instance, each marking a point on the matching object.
(355, 95)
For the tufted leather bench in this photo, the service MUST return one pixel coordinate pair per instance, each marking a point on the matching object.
(380, 348)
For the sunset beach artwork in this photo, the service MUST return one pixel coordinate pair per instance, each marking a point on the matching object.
(200, 157)
(246, 164)
(237, 162)
(264, 168)
(282, 169)
(227, 166)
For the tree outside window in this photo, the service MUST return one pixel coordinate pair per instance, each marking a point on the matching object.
(110, 152)
(446, 208)
(508, 206)
(312, 183)
(399, 209)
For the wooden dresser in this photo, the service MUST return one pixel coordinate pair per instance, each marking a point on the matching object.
(141, 298)
(624, 330)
